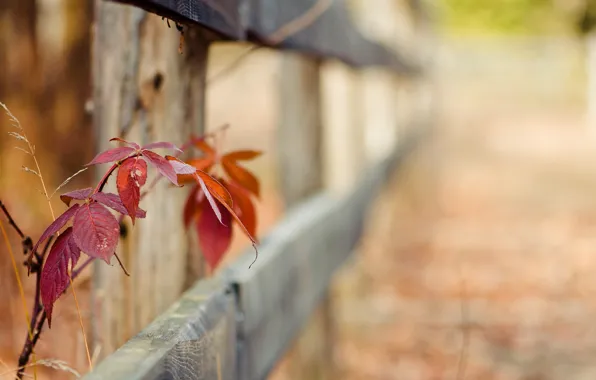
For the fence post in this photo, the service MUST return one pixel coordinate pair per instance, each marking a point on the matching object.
(301, 174)
(144, 91)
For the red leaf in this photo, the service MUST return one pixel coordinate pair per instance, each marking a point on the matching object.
(242, 155)
(210, 187)
(162, 165)
(244, 207)
(192, 205)
(214, 237)
(162, 144)
(79, 195)
(55, 274)
(132, 174)
(133, 144)
(241, 176)
(112, 155)
(114, 202)
(96, 231)
(57, 224)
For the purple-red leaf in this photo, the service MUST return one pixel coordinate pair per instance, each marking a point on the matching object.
(96, 231)
(162, 144)
(192, 205)
(57, 224)
(55, 274)
(114, 202)
(79, 195)
(162, 165)
(112, 155)
(132, 174)
(132, 144)
(214, 237)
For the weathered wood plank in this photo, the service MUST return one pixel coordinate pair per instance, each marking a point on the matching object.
(194, 340)
(238, 324)
(144, 91)
(296, 262)
(331, 34)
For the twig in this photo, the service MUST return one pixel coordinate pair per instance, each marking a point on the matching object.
(280, 35)
(11, 221)
(121, 265)
(30, 343)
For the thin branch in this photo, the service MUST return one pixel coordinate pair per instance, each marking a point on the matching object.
(121, 264)
(280, 35)
(11, 221)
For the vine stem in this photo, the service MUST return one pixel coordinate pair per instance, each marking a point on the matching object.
(18, 277)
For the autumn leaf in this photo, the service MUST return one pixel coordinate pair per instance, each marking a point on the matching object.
(96, 231)
(203, 164)
(161, 164)
(241, 176)
(132, 174)
(57, 224)
(162, 144)
(214, 236)
(114, 202)
(55, 276)
(129, 143)
(192, 205)
(79, 195)
(243, 207)
(112, 155)
(242, 155)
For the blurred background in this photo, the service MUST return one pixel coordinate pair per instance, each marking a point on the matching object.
(478, 261)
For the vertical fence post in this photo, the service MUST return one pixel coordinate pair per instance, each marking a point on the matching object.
(144, 91)
(301, 174)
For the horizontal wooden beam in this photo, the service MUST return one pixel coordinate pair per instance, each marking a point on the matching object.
(238, 324)
(195, 340)
(296, 263)
(329, 33)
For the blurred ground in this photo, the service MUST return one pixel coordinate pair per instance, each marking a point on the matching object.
(479, 260)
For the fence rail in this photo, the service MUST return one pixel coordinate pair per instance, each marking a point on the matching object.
(322, 28)
(238, 324)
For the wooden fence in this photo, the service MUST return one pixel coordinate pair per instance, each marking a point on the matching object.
(239, 323)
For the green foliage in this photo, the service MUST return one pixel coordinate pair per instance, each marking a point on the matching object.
(528, 17)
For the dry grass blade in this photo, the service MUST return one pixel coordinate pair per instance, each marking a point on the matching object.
(58, 365)
(29, 170)
(15, 122)
(18, 136)
(66, 181)
(22, 150)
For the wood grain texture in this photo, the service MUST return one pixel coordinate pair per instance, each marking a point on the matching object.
(193, 340)
(145, 91)
(299, 134)
(331, 35)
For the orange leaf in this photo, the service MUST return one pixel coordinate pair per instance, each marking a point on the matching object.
(216, 189)
(241, 176)
(240, 155)
(201, 144)
(244, 207)
(204, 164)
